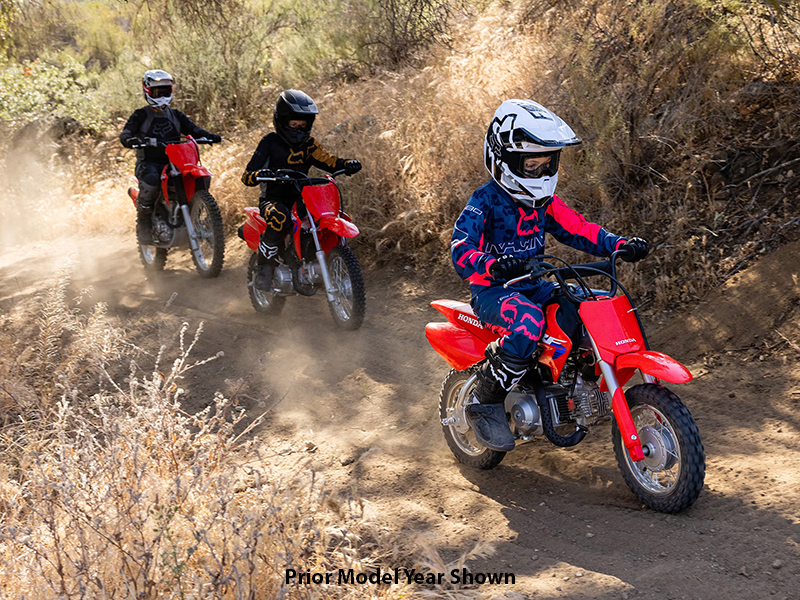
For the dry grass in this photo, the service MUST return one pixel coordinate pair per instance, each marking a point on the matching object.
(684, 107)
(111, 490)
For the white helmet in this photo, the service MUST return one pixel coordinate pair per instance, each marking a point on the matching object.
(157, 88)
(520, 130)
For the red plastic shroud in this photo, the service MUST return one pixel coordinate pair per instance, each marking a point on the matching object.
(611, 323)
(322, 204)
(185, 156)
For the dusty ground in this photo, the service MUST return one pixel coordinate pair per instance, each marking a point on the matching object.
(562, 521)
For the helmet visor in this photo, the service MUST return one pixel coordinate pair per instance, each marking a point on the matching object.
(160, 91)
(532, 165)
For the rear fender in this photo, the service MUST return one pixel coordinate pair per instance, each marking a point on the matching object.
(458, 347)
(253, 227)
(134, 194)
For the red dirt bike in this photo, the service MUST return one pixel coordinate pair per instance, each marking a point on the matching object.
(315, 255)
(185, 212)
(577, 383)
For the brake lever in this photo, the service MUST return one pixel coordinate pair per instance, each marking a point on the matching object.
(535, 273)
(517, 279)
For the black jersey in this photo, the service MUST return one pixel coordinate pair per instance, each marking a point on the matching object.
(274, 153)
(166, 126)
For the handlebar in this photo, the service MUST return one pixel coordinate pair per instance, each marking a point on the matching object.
(538, 268)
(299, 178)
(159, 144)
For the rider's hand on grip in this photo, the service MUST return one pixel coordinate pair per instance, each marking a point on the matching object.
(508, 267)
(265, 173)
(214, 138)
(635, 249)
(150, 142)
(351, 167)
(132, 142)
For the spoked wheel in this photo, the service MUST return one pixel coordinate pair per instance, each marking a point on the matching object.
(153, 258)
(671, 476)
(350, 301)
(456, 394)
(265, 302)
(207, 223)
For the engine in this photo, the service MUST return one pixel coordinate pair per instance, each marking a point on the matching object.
(573, 399)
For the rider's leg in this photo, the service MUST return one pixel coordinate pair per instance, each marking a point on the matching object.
(507, 361)
(149, 176)
(276, 215)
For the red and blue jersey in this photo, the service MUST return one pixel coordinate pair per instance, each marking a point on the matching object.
(493, 224)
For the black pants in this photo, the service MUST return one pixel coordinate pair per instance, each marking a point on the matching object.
(149, 176)
(277, 214)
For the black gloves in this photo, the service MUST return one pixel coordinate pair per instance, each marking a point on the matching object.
(265, 173)
(214, 138)
(634, 249)
(131, 142)
(508, 267)
(351, 167)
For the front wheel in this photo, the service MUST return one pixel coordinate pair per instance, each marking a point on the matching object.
(671, 476)
(350, 300)
(453, 400)
(207, 224)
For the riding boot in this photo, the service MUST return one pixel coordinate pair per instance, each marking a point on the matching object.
(265, 265)
(144, 225)
(497, 376)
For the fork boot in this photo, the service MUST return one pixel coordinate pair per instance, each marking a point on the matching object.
(497, 376)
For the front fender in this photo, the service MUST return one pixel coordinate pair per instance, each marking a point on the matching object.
(459, 348)
(339, 226)
(656, 364)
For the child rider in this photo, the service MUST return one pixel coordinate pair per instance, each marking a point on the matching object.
(155, 123)
(501, 227)
(290, 146)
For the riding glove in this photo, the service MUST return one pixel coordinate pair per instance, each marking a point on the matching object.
(351, 167)
(215, 138)
(508, 267)
(131, 142)
(635, 249)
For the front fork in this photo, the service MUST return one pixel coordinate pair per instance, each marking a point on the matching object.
(187, 219)
(323, 266)
(620, 408)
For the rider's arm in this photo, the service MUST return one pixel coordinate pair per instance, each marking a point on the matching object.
(132, 127)
(469, 260)
(322, 159)
(571, 228)
(259, 160)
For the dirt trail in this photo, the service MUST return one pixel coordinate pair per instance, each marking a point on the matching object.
(561, 520)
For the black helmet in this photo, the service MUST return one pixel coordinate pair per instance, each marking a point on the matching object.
(294, 105)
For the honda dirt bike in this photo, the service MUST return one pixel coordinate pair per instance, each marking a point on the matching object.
(185, 212)
(314, 256)
(576, 384)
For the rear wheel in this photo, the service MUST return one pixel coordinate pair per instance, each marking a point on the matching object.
(350, 300)
(453, 400)
(207, 223)
(265, 302)
(152, 257)
(671, 476)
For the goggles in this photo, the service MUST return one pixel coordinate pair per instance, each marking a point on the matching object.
(160, 91)
(532, 165)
